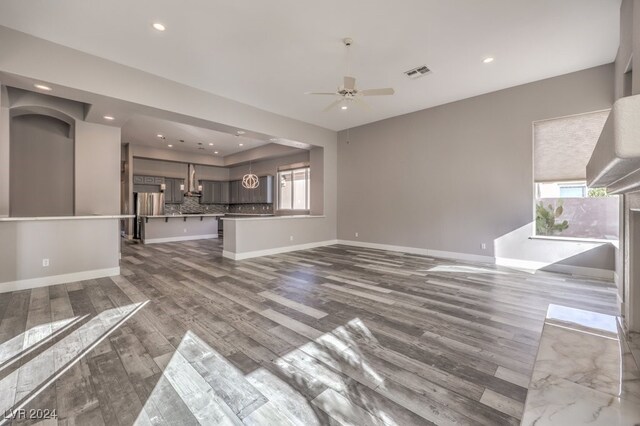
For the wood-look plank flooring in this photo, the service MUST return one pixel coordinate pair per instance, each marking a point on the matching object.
(333, 335)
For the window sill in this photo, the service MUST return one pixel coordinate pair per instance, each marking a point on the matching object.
(292, 212)
(572, 239)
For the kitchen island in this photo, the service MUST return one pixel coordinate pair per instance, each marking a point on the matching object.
(178, 227)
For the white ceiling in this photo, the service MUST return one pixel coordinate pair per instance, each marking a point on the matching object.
(268, 53)
(141, 130)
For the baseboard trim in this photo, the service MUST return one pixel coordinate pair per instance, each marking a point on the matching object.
(175, 239)
(507, 262)
(556, 267)
(277, 250)
(421, 251)
(30, 283)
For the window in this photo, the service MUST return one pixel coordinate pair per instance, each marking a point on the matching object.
(564, 205)
(293, 189)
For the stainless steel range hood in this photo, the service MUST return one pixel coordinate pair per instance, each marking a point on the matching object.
(192, 183)
(615, 162)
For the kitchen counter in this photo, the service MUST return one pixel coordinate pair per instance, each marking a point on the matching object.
(274, 217)
(248, 214)
(50, 218)
(584, 372)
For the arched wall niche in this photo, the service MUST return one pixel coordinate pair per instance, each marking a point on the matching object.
(41, 172)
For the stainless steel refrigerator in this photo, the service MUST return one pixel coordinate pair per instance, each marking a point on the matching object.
(147, 204)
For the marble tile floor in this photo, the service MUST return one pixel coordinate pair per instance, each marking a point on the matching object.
(584, 372)
(332, 335)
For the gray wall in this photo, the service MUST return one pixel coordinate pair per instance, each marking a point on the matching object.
(41, 167)
(97, 169)
(455, 176)
(267, 167)
(72, 246)
(211, 173)
(629, 49)
(4, 152)
(143, 166)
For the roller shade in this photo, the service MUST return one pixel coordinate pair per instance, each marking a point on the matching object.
(562, 147)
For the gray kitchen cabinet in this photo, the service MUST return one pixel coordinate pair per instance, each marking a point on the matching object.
(215, 192)
(222, 196)
(234, 192)
(264, 192)
(172, 193)
(238, 194)
(206, 197)
(168, 191)
(245, 194)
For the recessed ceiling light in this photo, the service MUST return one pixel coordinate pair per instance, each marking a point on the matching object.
(42, 87)
(170, 146)
(215, 152)
(344, 107)
(273, 139)
(158, 26)
(210, 143)
(488, 60)
(159, 135)
(241, 144)
(108, 117)
(240, 132)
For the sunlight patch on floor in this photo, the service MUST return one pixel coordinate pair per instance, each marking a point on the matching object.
(23, 384)
(464, 269)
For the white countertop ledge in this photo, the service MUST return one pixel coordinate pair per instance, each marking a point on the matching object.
(300, 216)
(183, 215)
(52, 218)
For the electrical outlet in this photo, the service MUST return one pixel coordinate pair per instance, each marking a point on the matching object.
(484, 246)
(356, 235)
(45, 262)
(185, 230)
(291, 238)
(253, 207)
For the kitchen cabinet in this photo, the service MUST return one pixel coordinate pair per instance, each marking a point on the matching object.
(215, 192)
(238, 194)
(245, 194)
(234, 191)
(264, 192)
(172, 193)
(221, 194)
(206, 197)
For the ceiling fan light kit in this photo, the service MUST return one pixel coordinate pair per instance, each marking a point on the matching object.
(348, 91)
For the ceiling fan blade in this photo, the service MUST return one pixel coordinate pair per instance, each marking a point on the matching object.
(362, 104)
(349, 83)
(322, 93)
(333, 105)
(377, 92)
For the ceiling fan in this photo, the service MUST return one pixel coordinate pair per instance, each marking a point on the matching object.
(348, 91)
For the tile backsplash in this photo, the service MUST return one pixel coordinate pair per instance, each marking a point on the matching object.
(251, 208)
(192, 205)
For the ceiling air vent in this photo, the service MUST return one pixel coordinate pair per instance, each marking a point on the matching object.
(417, 72)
